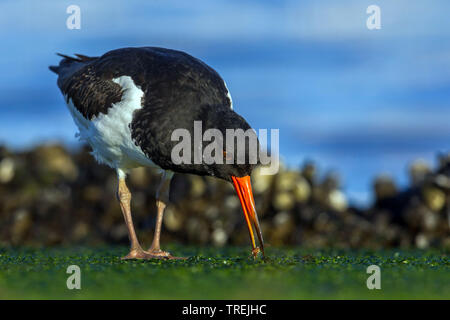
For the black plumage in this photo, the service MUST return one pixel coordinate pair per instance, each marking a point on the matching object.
(167, 77)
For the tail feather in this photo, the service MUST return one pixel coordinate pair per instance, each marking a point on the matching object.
(68, 57)
(78, 58)
(83, 57)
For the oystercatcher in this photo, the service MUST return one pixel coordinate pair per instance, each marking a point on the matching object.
(126, 105)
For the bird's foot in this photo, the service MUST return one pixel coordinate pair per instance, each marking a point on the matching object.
(142, 255)
(158, 252)
(162, 254)
(255, 252)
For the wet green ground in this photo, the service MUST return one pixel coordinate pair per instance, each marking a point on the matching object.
(226, 273)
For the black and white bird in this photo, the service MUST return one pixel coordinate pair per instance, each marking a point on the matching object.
(126, 105)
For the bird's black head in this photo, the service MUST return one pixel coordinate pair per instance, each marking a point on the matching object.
(240, 150)
(209, 141)
(213, 141)
(230, 146)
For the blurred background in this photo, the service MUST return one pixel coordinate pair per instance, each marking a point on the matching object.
(363, 116)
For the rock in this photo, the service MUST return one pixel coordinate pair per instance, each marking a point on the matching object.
(283, 201)
(337, 200)
(92, 193)
(173, 220)
(286, 181)
(55, 159)
(444, 163)
(22, 225)
(7, 169)
(422, 241)
(231, 202)
(212, 213)
(283, 226)
(118, 232)
(302, 190)
(197, 230)
(282, 218)
(430, 221)
(219, 237)
(80, 231)
(309, 171)
(418, 171)
(261, 183)
(139, 177)
(331, 181)
(49, 196)
(197, 186)
(434, 198)
(384, 187)
(442, 181)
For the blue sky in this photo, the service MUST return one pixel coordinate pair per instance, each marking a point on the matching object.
(356, 101)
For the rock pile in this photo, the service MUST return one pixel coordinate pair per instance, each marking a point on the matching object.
(51, 196)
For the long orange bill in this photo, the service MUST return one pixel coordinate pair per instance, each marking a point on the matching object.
(243, 188)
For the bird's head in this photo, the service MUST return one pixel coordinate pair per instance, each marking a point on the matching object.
(224, 146)
(239, 175)
(239, 158)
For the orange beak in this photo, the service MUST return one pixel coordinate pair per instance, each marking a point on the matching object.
(243, 188)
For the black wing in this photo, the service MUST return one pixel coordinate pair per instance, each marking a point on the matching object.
(167, 77)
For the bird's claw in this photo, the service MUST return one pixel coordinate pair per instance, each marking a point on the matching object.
(159, 253)
(140, 255)
(255, 252)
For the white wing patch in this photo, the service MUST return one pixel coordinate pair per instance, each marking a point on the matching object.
(109, 134)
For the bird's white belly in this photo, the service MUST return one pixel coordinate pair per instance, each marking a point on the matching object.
(109, 134)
